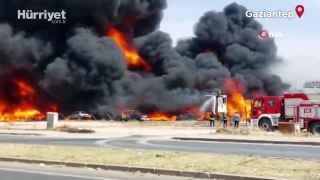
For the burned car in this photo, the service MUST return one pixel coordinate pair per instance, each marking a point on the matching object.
(80, 115)
(128, 115)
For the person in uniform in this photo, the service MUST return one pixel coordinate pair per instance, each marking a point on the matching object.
(225, 120)
(211, 118)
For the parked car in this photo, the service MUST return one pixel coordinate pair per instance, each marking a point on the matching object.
(128, 115)
(80, 115)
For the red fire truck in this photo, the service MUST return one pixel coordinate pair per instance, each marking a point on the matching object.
(302, 108)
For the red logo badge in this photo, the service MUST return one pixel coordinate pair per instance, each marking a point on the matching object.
(263, 34)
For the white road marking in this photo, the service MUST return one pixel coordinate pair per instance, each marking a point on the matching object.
(247, 143)
(104, 143)
(146, 142)
(56, 174)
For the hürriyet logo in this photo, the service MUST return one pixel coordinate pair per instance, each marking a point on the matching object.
(53, 17)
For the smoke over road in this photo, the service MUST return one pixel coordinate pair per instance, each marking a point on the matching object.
(79, 67)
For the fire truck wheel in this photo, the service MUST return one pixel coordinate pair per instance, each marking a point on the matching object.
(265, 124)
(315, 128)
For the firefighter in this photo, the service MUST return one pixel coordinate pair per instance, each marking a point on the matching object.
(225, 120)
(211, 118)
(236, 119)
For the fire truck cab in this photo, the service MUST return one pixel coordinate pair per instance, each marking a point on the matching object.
(303, 108)
(266, 111)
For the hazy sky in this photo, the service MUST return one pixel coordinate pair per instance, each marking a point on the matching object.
(299, 46)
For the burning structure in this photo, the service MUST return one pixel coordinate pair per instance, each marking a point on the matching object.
(109, 56)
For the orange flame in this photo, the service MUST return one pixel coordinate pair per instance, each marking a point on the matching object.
(132, 57)
(159, 116)
(236, 101)
(204, 116)
(200, 115)
(22, 105)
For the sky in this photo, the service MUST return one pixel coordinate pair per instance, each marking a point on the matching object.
(298, 48)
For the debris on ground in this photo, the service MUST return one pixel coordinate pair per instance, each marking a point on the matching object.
(72, 130)
(160, 156)
(224, 131)
(240, 131)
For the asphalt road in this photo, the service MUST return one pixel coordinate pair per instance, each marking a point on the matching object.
(20, 171)
(265, 150)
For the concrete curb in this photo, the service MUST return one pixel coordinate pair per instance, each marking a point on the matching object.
(158, 171)
(306, 143)
(19, 134)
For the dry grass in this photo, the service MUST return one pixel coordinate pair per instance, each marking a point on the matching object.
(240, 131)
(282, 168)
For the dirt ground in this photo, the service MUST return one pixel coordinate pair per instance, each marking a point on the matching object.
(112, 129)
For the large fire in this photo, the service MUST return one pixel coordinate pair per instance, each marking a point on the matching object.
(160, 116)
(19, 102)
(157, 115)
(132, 57)
(236, 102)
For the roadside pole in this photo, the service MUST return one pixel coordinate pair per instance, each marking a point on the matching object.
(245, 111)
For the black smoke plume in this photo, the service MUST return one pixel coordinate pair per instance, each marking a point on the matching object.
(81, 69)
